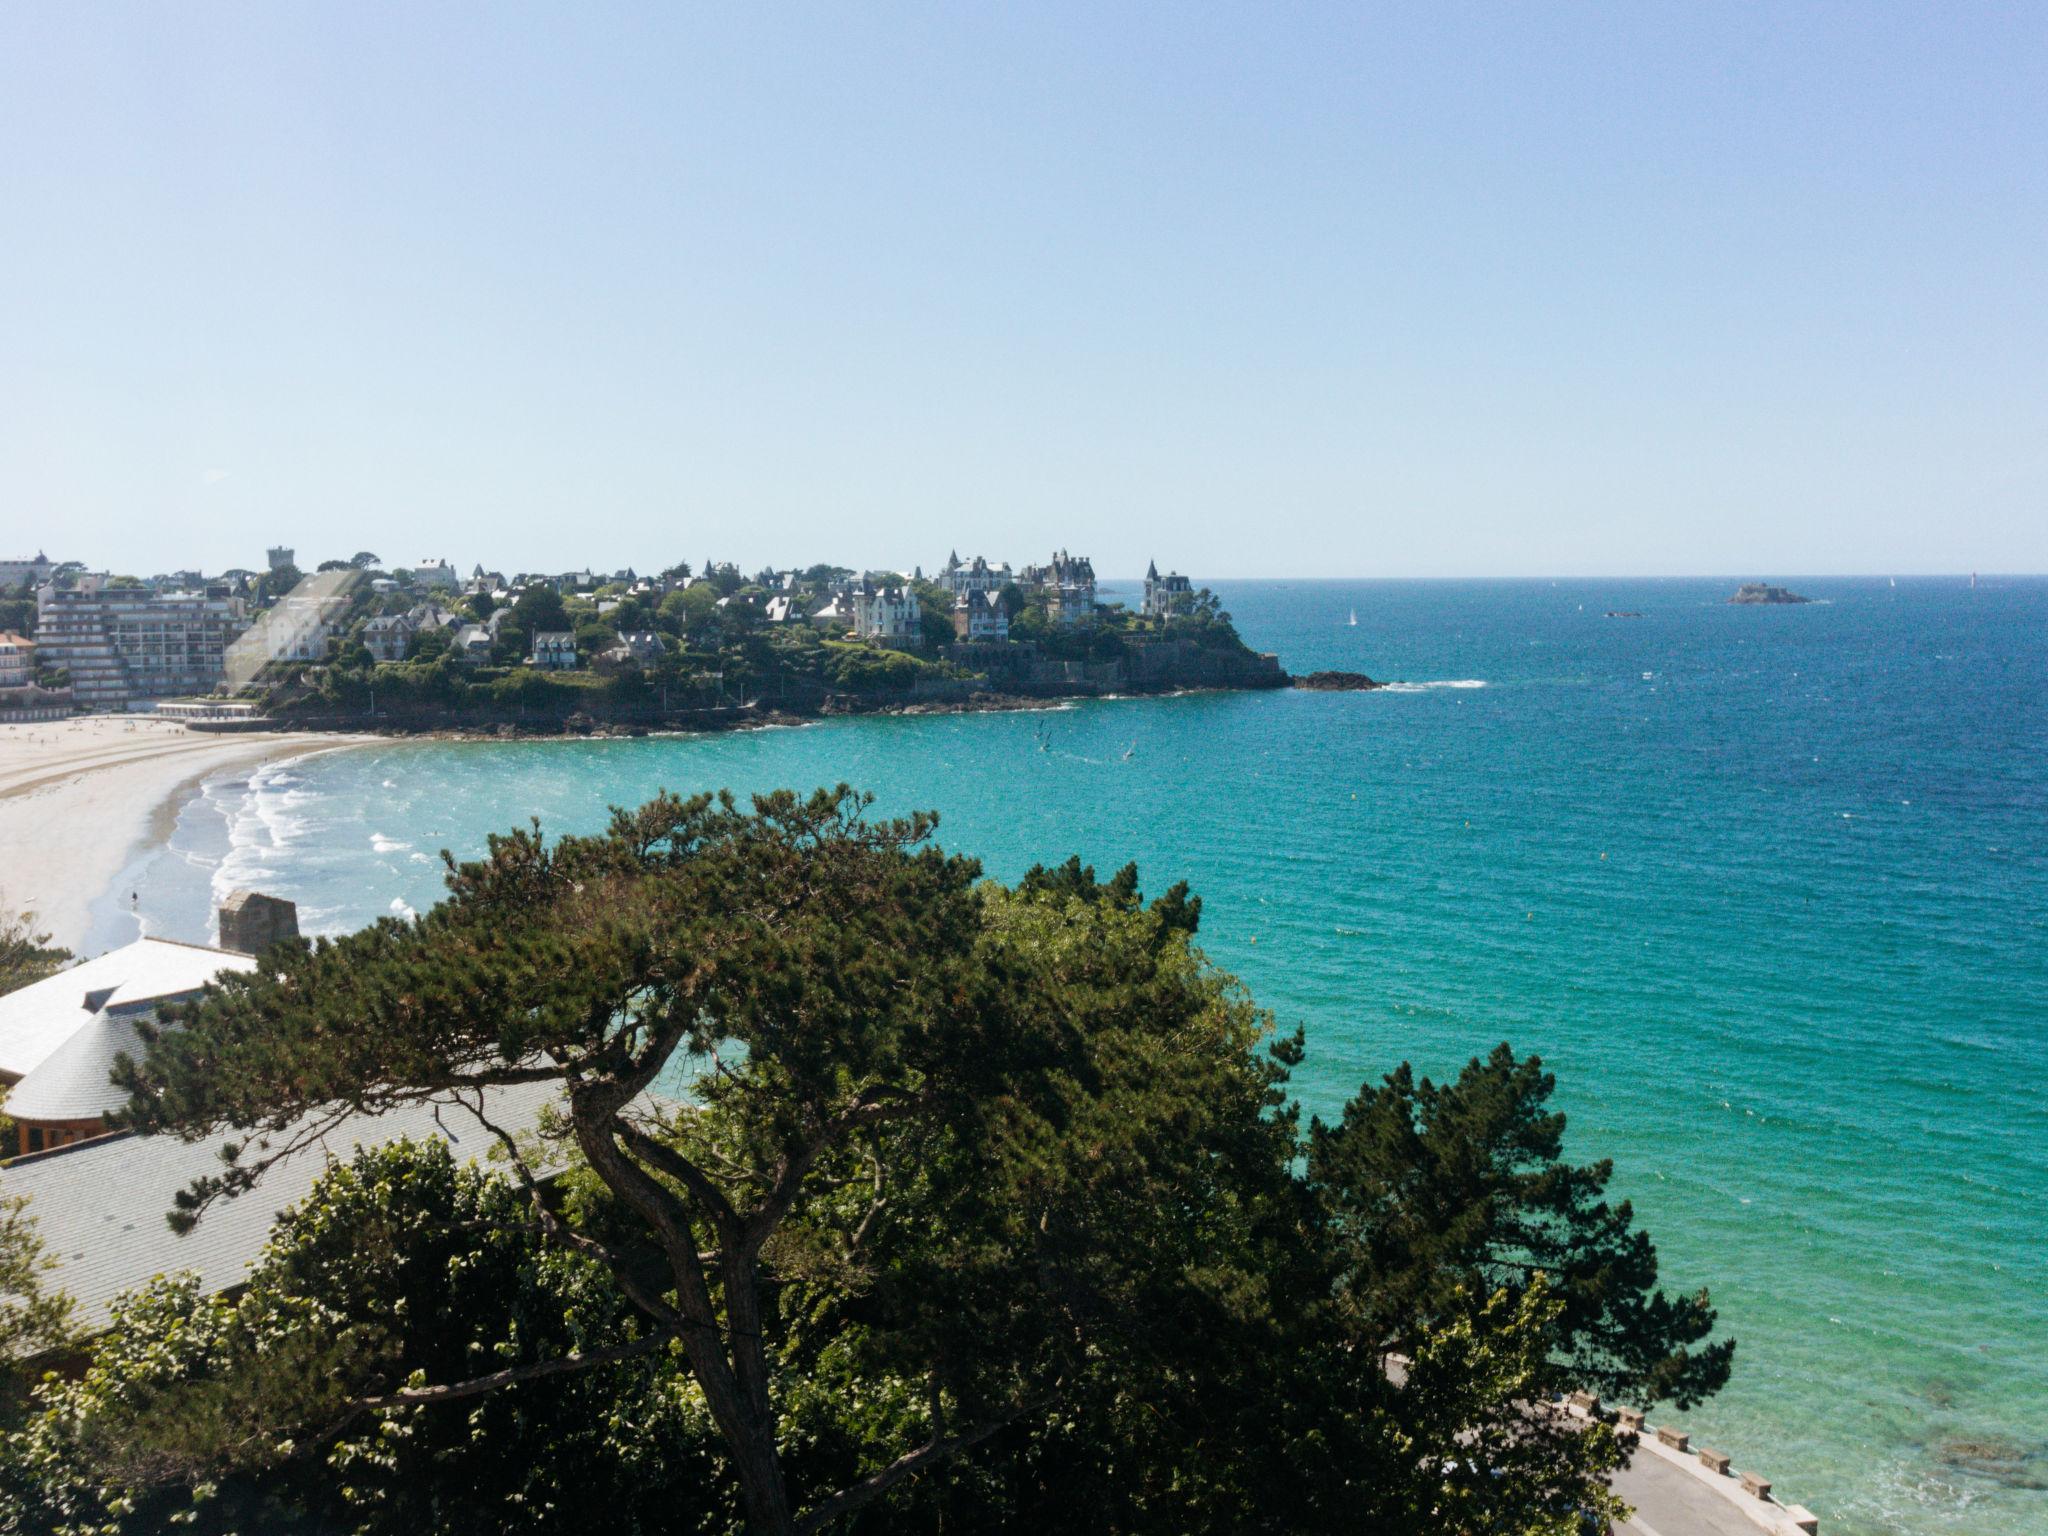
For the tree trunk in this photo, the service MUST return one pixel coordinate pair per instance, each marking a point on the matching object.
(749, 1359)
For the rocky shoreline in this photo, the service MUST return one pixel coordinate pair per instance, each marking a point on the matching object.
(736, 718)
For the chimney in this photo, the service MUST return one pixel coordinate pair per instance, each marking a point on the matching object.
(250, 922)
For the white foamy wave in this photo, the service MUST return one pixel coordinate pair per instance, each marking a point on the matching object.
(383, 844)
(1448, 682)
(401, 908)
(266, 814)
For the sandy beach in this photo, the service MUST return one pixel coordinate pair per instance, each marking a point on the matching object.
(79, 796)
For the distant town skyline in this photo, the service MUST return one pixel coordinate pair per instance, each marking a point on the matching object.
(1303, 292)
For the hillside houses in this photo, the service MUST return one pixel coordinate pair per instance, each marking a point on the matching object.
(976, 575)
(1065, 586)
(1167, 595)
(887, 615)
(980, 617)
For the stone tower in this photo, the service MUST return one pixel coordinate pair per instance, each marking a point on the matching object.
(250, 922)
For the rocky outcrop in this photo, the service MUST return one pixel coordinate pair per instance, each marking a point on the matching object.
(1337, 682)
(1759, 592)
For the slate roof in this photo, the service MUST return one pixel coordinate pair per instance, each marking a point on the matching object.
(37, 1019)
(73, 1082)
(100, 1206)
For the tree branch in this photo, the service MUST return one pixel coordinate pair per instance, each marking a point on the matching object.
(477, 1386)
(560, 1231)
(871, 1488)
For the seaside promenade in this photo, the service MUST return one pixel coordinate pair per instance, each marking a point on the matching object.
(1677, 1490)
(78, 796)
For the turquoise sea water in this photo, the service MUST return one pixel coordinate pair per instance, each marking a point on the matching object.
(1767, 887)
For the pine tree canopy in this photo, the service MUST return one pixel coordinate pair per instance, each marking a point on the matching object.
(880, 1196)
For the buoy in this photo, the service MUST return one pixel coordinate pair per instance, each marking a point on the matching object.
(1603, 855)
(1532, 917)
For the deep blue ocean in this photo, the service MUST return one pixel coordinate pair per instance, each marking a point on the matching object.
(1766, 887)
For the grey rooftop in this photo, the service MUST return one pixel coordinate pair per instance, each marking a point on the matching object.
(38, 1019)
(100, 1206)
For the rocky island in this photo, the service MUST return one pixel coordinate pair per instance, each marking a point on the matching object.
(1336, 682)
(1758, 592)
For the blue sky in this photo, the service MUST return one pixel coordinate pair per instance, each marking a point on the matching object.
(1265, 289)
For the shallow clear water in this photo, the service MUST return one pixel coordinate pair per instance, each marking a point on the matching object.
(1768, 887)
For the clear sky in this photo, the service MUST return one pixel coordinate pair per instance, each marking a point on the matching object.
(1266, 289)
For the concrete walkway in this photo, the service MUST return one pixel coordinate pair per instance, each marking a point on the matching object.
(1670, 1502)
(1675, 1492)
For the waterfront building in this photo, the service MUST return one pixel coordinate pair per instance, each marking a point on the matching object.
(437, 574)
(836, 617)
(26, 573)
(21, 700)
(1166, 595)
(887, 615)
(298, 627)
(976, 575)
(389, 636)
(980, 616)
(17, 660)
(59, 1036)
(1066, 586)
(554, 650)
(471, 644)
(125, 647)
(641, 646)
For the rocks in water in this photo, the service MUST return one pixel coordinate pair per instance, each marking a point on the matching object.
(1999, 1460)
(1337, 682)
(1760, 592)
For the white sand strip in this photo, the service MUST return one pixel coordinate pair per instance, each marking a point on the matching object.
(78, 797)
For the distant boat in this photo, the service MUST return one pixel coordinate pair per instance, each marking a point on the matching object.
(1973, 581)
(1354, 618)
(1893, 580)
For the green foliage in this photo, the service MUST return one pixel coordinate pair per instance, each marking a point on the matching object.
(33, 1319)
(854, 666)
(1441, 1192)
(26, 953)
(273, 584)
(540, 608)
(988, 1210)
(18, 610)
(399, 1269)
(429, 645)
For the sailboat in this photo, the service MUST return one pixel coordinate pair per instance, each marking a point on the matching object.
(1354, 619)
(1893, 580)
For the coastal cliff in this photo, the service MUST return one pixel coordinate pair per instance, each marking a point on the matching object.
(443, 696)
